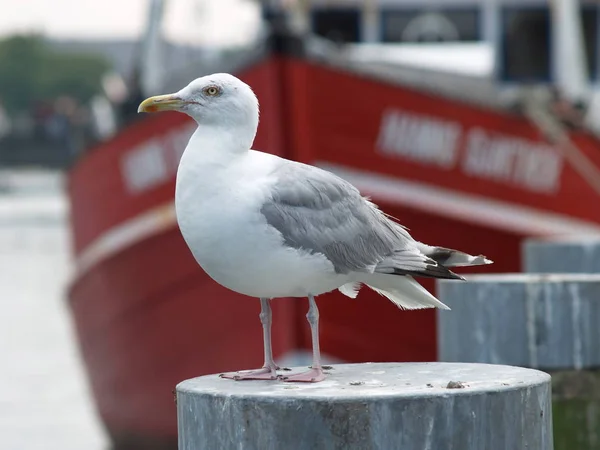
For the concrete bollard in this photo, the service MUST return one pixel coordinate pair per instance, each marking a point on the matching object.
(561, 256)
(372, 406)
(545, 322)
(549, 322)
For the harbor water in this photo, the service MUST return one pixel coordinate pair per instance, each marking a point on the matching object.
(45, 403)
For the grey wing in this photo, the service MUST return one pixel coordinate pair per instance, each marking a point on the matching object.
(317, 211)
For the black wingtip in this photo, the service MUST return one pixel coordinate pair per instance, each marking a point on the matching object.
(454, 276)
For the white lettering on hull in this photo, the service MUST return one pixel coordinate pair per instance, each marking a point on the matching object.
(155, 161)
(144, 166)
(419, 138)
(534, 166)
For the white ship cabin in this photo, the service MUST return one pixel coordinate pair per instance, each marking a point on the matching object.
(514, 41)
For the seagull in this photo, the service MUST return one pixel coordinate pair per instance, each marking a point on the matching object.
(267, 227)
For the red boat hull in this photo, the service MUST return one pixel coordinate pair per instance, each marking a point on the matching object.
(147, 316)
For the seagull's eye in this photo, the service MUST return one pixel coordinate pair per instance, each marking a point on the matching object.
(212, 91)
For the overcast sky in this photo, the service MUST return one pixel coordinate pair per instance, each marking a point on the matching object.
(190, 21)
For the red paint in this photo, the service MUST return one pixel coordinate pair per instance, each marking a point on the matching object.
(148, 317)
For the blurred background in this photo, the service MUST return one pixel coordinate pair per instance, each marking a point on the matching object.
(474, 122)
(69, 68)
(69, 78)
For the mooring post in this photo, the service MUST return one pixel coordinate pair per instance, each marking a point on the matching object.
(543, 321)
(372, 406)
(576, 393)
(561, 255)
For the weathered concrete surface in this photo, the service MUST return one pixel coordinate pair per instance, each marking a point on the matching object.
(541, 321)
(561, 256)
(372, 406)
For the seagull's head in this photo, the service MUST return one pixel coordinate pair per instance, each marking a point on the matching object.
(214, 100)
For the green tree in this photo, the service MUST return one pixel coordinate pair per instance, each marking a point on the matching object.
(30, 70)
(21, 60)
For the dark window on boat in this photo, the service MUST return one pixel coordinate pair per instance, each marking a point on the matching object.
(431, 25)
(272, 15)
(337, 24)
(525, 54)
(590, 35)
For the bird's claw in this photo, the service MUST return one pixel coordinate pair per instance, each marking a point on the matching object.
(264, 373)
(313, 375)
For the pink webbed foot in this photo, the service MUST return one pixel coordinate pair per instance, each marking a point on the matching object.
(264, 373)
(311, 376)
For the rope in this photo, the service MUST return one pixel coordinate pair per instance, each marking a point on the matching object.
(555, 132)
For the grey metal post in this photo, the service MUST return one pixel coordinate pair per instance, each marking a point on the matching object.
(545, 321)
(576, 393)
(383, 406)
(561, 256)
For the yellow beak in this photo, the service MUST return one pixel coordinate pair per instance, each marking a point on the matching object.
(169, 102)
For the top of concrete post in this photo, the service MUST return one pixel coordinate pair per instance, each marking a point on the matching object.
(372, 406)
(359, 381)
(562, 255)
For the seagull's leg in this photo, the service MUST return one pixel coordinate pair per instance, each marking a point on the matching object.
(266, 318)
(316, 371)
(268, 371)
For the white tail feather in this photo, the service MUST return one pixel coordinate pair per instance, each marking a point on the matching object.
(350, 289)
(403, 291)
